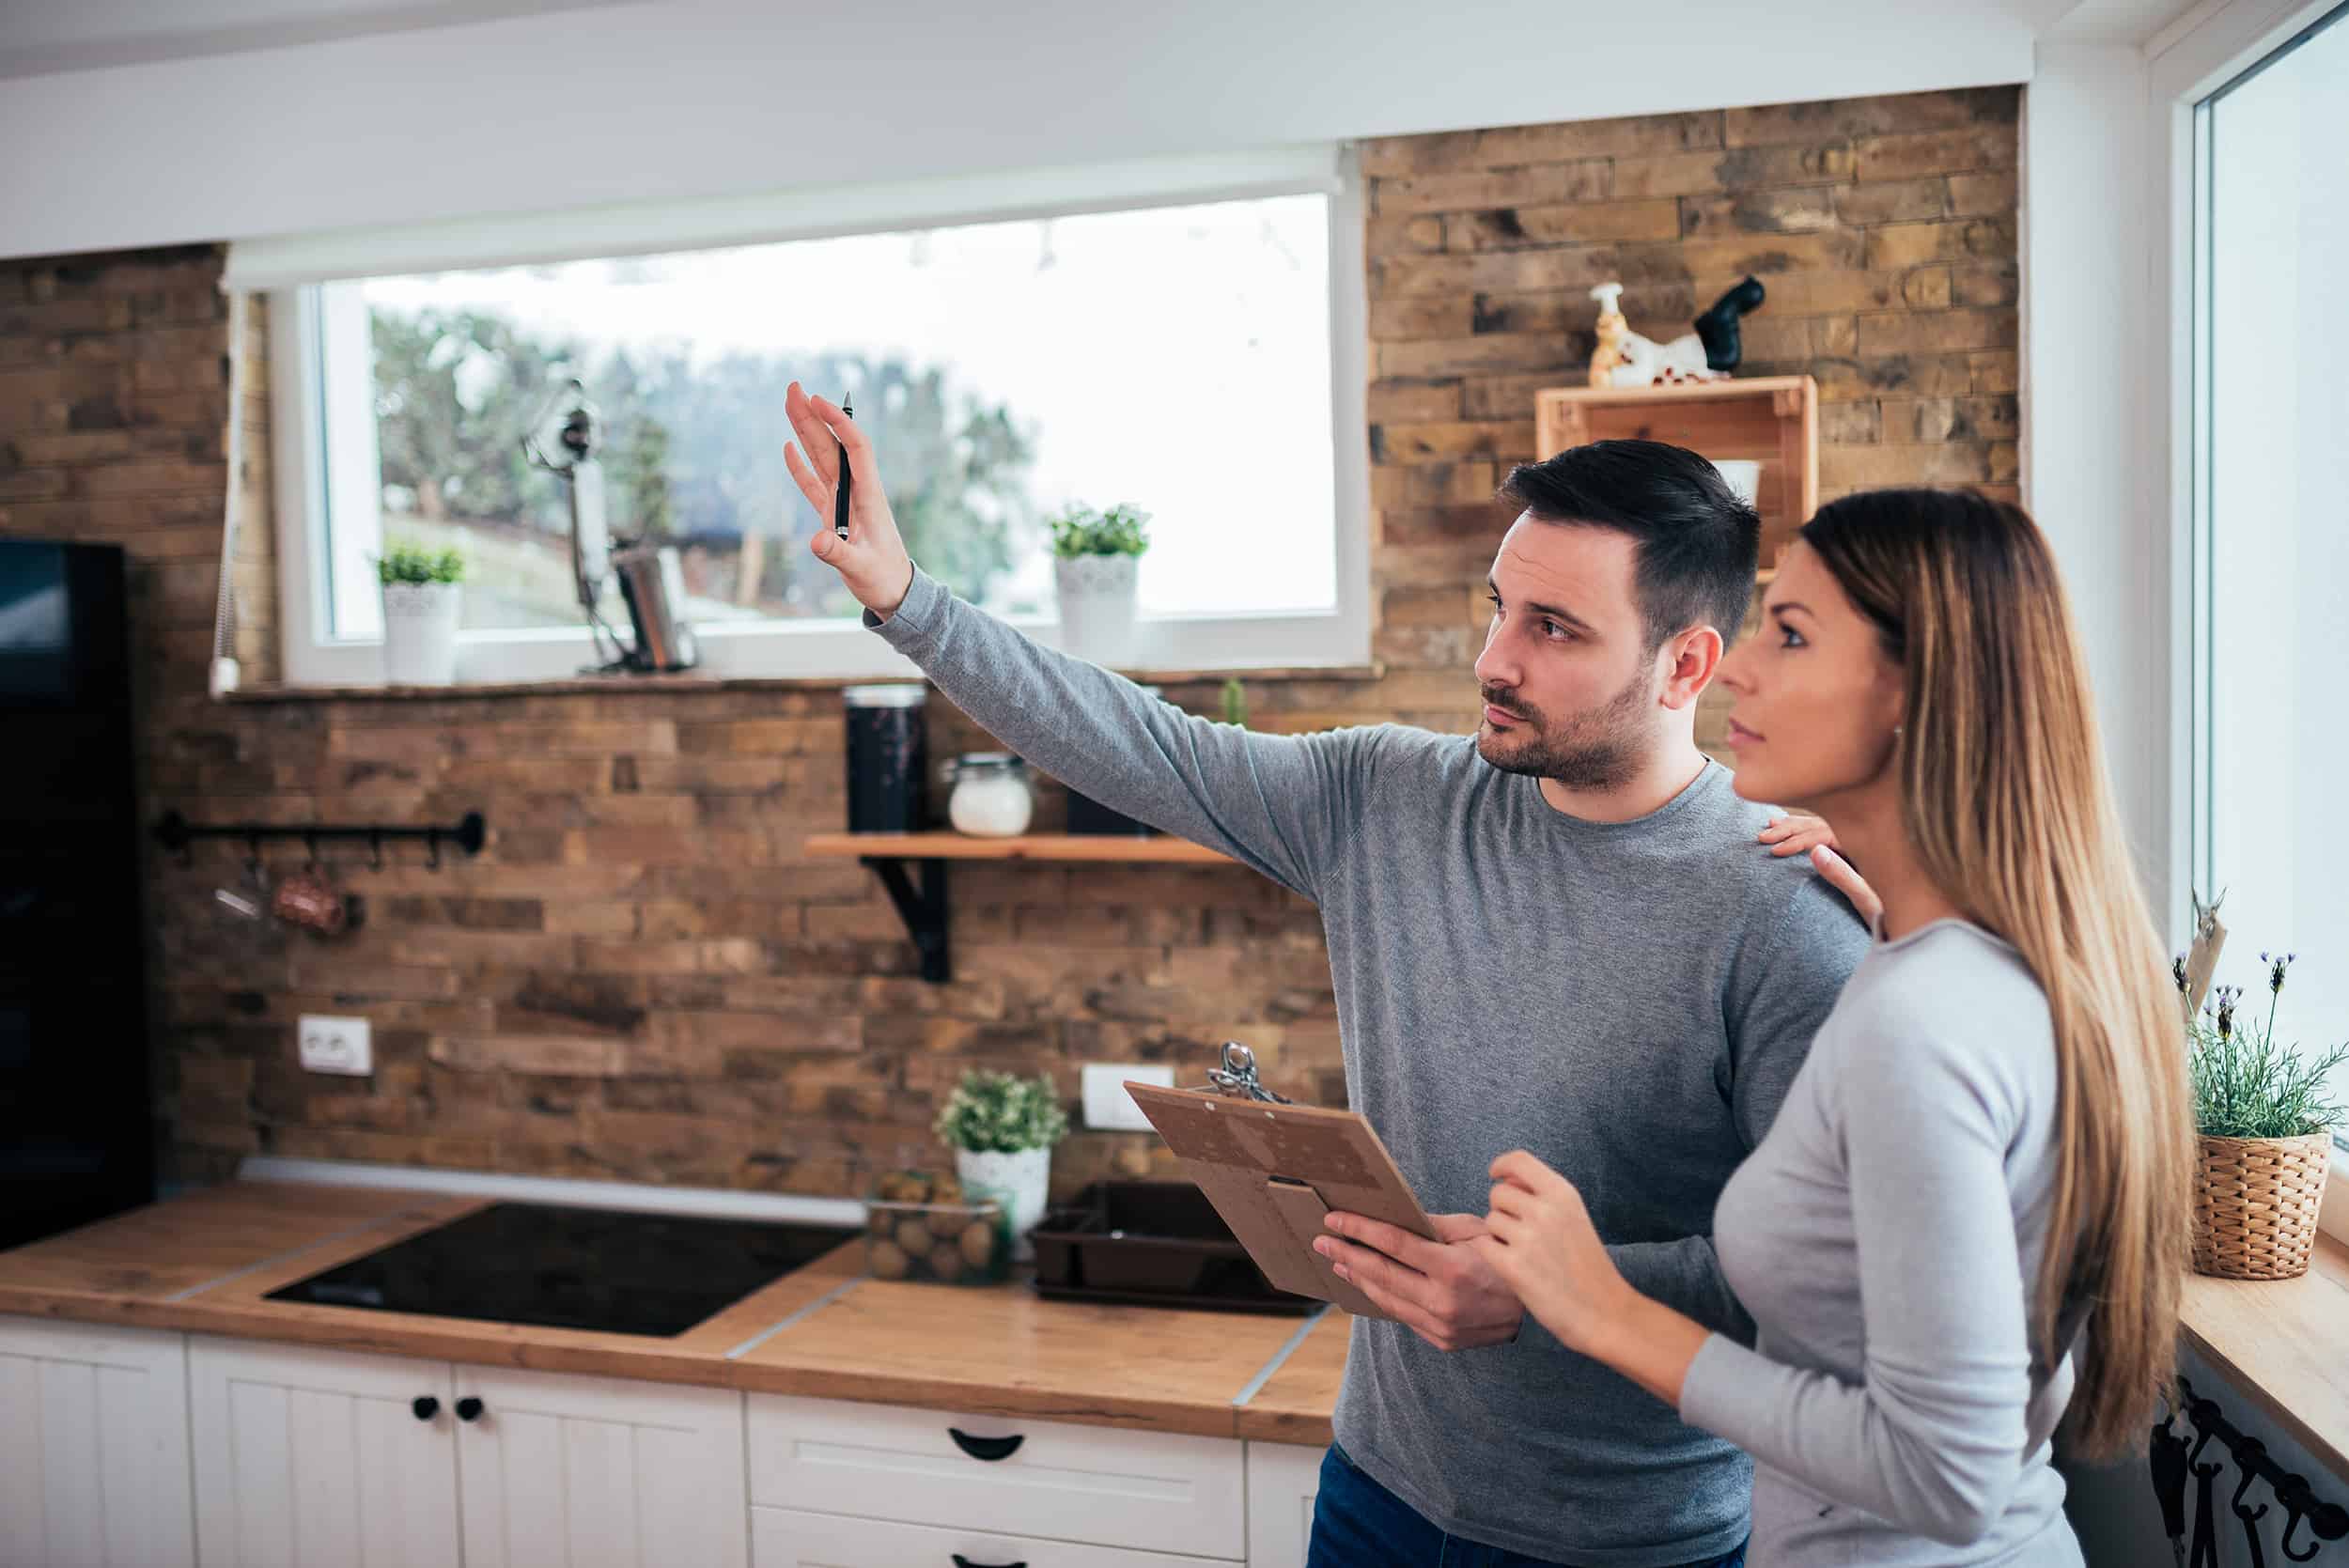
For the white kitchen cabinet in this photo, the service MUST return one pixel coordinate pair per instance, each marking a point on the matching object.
(787, 1538)
(309, 1458)
(1025, 1480)
(1283, 1482)
(93, 1447)
(317, 1458)
(597, 1472)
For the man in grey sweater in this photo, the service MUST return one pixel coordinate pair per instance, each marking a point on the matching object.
(1558, 933)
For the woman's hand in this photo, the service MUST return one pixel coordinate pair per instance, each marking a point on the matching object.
(872, 560)
(1799, 833)
(1539, 1238)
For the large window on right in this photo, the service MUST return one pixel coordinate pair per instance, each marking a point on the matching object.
(2271, 523)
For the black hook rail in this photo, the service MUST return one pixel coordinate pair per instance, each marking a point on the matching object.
(2327, 1521)
(177, 834)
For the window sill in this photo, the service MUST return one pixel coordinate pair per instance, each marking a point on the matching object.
(688, 682)
(2285, 1343)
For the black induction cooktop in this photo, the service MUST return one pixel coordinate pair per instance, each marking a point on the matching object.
(555, 1266)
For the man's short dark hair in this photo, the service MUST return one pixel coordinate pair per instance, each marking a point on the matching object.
(1698, 544)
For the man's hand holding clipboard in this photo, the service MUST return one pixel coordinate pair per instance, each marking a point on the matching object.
(1317, 1200)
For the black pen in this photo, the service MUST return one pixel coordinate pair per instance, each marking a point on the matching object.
(840, 496)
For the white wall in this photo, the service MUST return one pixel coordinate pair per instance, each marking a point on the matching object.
(2093, 438)
(689, 98)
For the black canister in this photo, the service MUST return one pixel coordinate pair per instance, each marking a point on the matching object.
(888, 759)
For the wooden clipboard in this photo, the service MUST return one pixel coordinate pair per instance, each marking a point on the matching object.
(1273, 1173)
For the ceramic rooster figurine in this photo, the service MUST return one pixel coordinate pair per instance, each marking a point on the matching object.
(1623, 358)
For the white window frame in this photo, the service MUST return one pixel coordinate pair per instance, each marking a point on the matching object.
(322, 443)
(2186, 63)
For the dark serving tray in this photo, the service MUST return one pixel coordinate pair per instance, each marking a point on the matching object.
(1151, 1244)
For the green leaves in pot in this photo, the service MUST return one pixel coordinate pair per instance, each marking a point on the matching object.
(1082, 530)
(414, 564)
(2246, 1084)
(999, 1113)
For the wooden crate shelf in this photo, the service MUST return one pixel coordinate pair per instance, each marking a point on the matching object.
(1772, 420)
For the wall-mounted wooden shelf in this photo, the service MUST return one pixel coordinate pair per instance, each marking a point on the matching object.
(1152, 849)
(924, 908)
(1772, 420)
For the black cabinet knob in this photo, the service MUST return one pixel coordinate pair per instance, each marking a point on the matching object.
(986, 1448)
(426, 1408)
(469, 1408)
(962, 1562)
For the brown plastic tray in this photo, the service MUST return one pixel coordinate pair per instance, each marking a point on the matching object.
(1151, 1244)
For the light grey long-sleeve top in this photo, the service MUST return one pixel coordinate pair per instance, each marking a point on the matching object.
(1887, 1238)
(1629, 1000)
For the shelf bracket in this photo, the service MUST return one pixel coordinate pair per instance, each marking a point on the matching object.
(924, 912)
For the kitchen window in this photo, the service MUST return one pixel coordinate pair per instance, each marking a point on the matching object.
(1188, 337)
(2270, 525)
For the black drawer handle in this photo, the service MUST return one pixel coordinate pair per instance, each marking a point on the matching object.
(469, 1408)
(962, 1562)
(426, 1408)
(989, 1449)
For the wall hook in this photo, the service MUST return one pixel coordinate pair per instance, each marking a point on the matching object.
(375, 847)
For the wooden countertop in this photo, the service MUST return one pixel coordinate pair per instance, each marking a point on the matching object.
(1294, 1405)
(206, 1263)
(2286, 1344)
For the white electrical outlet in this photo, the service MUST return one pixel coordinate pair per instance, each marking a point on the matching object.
(331, 1045)
(1108, 1106)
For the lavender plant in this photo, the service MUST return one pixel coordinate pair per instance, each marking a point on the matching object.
(2246, 1083)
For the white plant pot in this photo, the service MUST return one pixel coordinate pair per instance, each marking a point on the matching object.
(420, 632)
(1096, 606)
(1017, 1181)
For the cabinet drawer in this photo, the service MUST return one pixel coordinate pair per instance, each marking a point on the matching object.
(1017, 1478)
(787, 1538)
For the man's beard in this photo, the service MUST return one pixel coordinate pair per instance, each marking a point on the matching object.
(1600, 748)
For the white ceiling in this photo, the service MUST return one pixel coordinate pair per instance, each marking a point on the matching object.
(41, 37)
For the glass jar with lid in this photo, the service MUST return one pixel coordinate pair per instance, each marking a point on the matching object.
(991, 797)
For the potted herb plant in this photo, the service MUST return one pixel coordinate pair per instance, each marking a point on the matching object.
(1002, 1128)
(421, 591)
(2265, 1134)
(1095, 559)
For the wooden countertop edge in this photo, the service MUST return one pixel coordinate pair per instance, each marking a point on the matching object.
(1208, 1417)
(1282, 1426)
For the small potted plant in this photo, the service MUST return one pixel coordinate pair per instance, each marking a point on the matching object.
(1002, 1130)
(2265, 1134)
(422, 589)
(1095, 558)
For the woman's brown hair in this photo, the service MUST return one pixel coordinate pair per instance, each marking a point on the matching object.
(2007, 802)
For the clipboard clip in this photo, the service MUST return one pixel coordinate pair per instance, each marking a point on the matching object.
(1237, 1079)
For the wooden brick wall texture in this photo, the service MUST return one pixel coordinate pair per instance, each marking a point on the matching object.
(643, 977)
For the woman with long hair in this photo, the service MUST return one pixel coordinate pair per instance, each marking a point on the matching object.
(1972, 1215)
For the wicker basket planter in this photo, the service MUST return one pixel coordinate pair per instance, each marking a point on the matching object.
(2255, 1202)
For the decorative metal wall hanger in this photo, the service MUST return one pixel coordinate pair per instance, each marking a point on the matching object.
(177, 834)
(2325, 1521)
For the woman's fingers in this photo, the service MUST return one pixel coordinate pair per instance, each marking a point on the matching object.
(1523, 1169)
(1845, 878)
